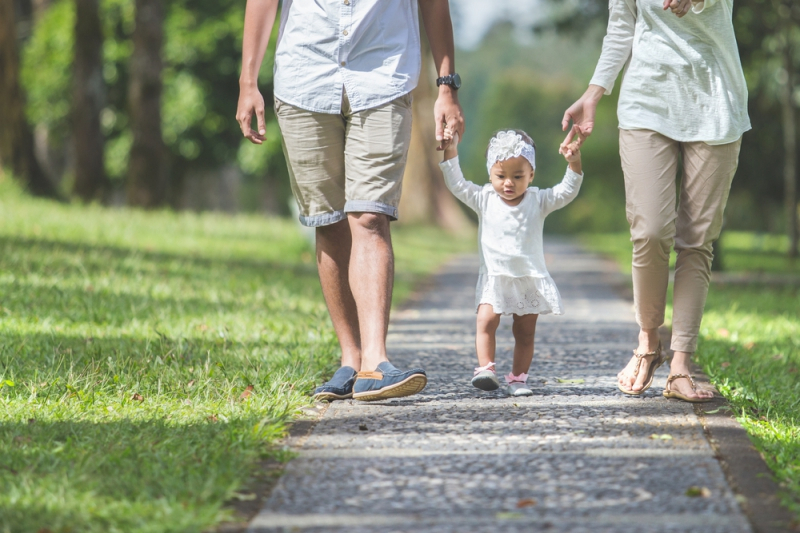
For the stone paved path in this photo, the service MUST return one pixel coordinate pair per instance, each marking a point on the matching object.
(574, 457)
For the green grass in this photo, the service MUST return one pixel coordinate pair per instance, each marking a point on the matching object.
(127, 340)
(749, 347)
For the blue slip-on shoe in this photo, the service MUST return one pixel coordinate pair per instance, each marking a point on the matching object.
(388, 382)
(340, 386)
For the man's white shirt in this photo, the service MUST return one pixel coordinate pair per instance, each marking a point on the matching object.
(368, 48)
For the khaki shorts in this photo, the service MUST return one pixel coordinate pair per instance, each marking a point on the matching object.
(348, 162)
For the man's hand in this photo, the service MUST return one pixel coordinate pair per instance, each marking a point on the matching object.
(581, 114)
(678, 7)
(447, 114)
(251, 100)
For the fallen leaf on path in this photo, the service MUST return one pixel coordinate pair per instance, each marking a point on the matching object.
(565, 380)
(526, 502)
(717, 410)
(663, 436)
(137, 397)
(698, 492)
(247, 392)
(242, 497)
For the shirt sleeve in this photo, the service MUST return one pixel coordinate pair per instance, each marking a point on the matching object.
(617, 43)
(464, 190)
(561, 194)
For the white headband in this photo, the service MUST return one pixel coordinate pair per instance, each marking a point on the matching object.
(508, 144)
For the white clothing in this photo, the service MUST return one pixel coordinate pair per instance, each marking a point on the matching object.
(513, 276)
(683, 76)
(368, 48)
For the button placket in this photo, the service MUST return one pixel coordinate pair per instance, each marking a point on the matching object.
(345, 16)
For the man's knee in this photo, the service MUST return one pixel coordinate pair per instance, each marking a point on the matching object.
(371, 222)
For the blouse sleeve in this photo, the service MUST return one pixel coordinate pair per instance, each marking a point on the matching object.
(561, 194)
(699, 5)
(464, 190)
(617, 43)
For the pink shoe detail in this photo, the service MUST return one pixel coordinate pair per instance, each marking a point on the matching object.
(511, 378)
(479, 369)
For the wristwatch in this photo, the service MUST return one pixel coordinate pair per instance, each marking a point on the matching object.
(453, 80)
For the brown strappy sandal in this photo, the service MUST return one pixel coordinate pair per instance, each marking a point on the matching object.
(669, 393)
(651, 370)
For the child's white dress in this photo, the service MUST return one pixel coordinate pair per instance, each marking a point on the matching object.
(513, 276)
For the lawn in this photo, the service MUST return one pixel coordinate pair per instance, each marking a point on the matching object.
(750, 347)
(149, 360)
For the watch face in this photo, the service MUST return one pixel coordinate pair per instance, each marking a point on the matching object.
(456, 81)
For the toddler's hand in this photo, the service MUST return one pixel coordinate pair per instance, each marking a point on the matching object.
(450, 140)
(571, 152)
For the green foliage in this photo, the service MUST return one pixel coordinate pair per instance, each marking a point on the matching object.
(127, 339)
(201, 52)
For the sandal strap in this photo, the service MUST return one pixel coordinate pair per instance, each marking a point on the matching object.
(673, 377)
(640, 356)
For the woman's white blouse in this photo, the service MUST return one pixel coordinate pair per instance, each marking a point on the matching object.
(683, 77)
(510, 241)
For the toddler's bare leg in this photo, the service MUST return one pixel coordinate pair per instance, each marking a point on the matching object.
(524, 329)
(485, 340)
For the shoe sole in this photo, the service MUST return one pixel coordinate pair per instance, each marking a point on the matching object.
(407, 387)
(329, 396)
(485, 383)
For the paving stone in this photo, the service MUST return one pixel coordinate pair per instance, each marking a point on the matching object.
(573, 457)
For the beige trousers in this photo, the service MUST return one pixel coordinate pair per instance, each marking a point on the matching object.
(650, 165)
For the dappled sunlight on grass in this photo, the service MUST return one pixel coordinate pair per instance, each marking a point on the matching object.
(148, 360)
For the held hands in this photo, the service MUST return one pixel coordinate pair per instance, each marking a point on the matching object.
(678, 7)
(581, 114)
(448, 116)
(450, 140)
(250, 99)
(572, 153)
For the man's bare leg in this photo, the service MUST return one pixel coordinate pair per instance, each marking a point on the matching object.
(333, 262)
(371, 282)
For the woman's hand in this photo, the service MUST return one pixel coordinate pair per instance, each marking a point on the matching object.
(678, 7)
(581, 114)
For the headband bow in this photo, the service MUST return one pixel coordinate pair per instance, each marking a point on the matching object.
(508, 144)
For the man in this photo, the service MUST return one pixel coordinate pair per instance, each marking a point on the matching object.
(344, 71)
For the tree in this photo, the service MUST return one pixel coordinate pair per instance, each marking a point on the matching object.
(425, 197)
(88, 101)
(147, 173)
(16, 138)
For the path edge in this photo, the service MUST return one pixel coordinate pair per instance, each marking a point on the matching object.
(746, 472)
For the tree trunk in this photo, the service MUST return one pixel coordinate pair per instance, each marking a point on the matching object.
(88, 101)
(147, 167)
(425, 198)
(788, 116)
(16, 138)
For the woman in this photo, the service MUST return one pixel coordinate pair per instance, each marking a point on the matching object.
(683, 100)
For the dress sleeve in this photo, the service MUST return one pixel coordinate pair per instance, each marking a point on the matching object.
(617, 43)
(561, 194)
(464, 190)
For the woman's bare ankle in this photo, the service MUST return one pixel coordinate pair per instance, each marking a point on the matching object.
(648, 340)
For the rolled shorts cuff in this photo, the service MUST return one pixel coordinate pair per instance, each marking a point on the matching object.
(324, 219)
(366, 206)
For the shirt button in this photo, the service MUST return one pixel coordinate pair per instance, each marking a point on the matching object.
(343, 63)
(344, 33)
(347, 2)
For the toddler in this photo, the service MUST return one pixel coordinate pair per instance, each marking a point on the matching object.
(513, 278)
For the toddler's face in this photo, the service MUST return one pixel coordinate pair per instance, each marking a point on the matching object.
(511, 177)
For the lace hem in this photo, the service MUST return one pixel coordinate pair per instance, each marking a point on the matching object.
(519, 296)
